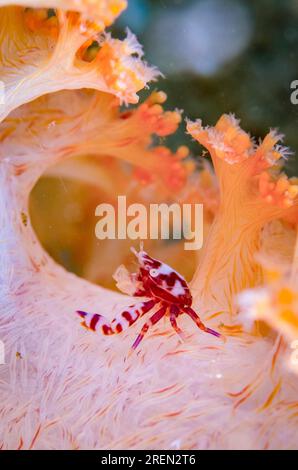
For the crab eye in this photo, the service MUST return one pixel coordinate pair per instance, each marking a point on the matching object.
(153, 272)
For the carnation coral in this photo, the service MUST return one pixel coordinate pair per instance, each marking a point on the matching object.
(64, 388)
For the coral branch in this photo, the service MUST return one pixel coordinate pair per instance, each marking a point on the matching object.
(45, 58)
(252, 193)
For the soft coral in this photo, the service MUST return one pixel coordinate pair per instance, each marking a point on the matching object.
(252, 193)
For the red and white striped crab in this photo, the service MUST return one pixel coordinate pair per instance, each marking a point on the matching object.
(165, 288)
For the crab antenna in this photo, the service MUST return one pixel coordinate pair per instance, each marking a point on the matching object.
(134, 251)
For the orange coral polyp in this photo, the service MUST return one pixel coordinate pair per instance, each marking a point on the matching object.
(279, 192)
(226, 140)
(162, 123)
(236, 141)
(276, 303)
(285, 296)
(122, 71)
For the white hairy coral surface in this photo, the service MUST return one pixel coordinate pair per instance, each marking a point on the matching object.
(65, 388)
(71, 389)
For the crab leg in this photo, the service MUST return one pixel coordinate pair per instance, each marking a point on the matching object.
(96, 322)
(199, 323)
(152, 320)
(174, 312)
